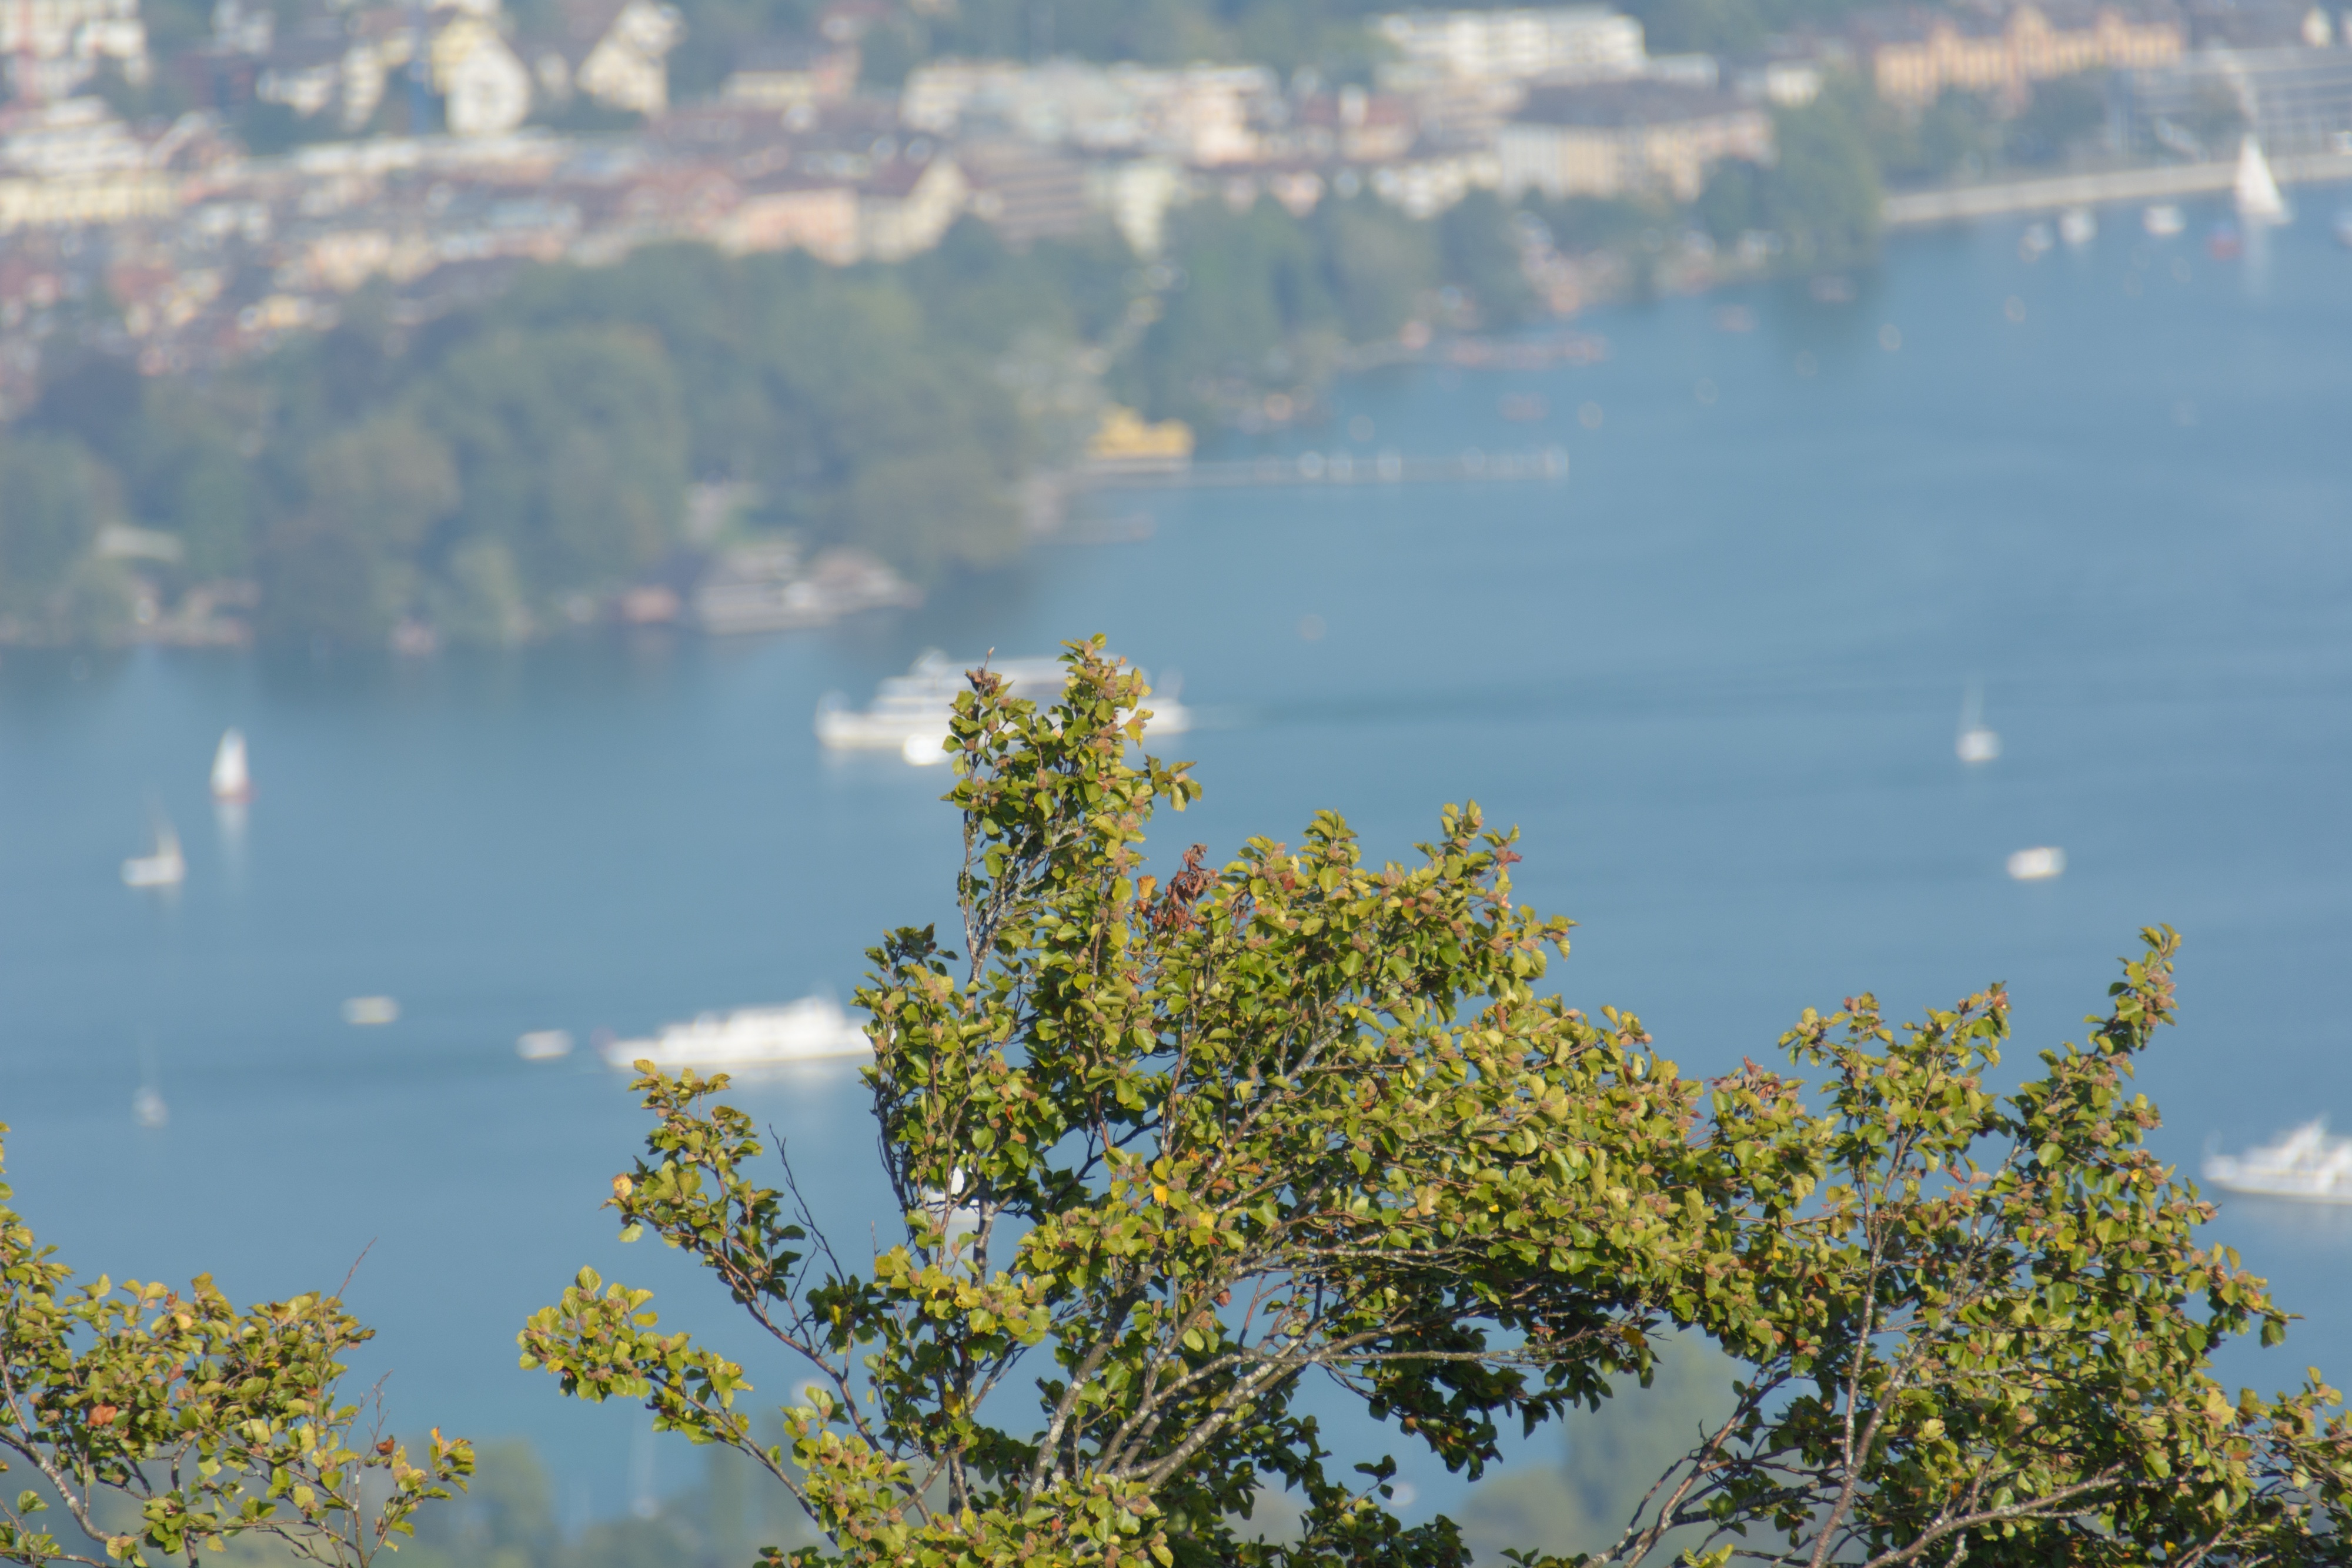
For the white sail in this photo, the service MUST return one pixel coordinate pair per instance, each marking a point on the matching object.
(2257, 192)
(1975, 742)
(231, 779)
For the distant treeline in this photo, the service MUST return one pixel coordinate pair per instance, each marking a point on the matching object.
(499, 470)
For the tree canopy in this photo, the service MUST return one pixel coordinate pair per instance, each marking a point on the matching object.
(162, 1424)
(1169, 1146)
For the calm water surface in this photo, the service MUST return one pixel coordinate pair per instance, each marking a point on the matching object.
(1714, 677)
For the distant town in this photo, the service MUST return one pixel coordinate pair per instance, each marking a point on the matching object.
(184, 193)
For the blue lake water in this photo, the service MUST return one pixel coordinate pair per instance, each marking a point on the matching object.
(1713, 675)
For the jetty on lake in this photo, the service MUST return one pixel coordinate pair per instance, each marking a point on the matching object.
(1547, 463)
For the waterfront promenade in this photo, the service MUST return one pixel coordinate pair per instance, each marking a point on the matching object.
(1914, 209)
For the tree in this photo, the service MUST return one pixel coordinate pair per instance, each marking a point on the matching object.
(166, 1426)
(1227, 1131)
(1824, 190)
(1978, 1326)
(54, 498)
(1166, 1148)
(2063, 111)
(1482, 254)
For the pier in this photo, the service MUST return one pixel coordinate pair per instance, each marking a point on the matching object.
(1914, 209)
(1548, 463)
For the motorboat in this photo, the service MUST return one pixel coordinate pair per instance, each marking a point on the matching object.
(147, 1107)
(2255, 191)
(232, 780)
(2077, 227)
(2344, 228)
(1976, 744)
(910, 712)
(544, 1045)
(2163, 220)
(811, 1030)
(2305, 1163)
(166, 867)
(2038, 864)
(2034, 241)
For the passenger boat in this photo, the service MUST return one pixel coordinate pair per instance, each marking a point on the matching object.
(544, 1045)
(810, 1030)
(909, 713)
(2038, 864)
(167, 867)
(2305, 1163)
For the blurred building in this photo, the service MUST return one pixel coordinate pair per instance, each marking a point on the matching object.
(785, 74)
(1626, 139)
(56, 45)
(1571, 43)
(1914, 55)
(1027, 192)
(75, 164)
(611, 52)
(1203, 115)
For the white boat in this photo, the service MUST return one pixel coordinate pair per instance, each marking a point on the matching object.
(147, 1107)
(2344, 228)
(2076, 226)
(910, 712)
(371, 1012)
(2163, 220)
(810, 1030)
(1975, 742)
(2038, 864)
(167, 867)
(2256, 193)
(544, 1045)
(232, 780)
(2034, 241)
(2305, 1163)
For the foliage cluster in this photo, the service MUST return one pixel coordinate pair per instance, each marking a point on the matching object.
(1168, 1147)
(1821, 193)
(152, 1423)
(1264, 301)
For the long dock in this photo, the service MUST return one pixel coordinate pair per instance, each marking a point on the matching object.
(1338, 468)
(1914, 209)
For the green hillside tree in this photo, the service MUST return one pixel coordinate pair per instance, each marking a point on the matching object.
(1168, 1148)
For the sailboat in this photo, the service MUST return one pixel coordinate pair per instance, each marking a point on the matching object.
(231, 779)
(147, 1107)
(167, 867)
(2257, 194)
(1976, 744)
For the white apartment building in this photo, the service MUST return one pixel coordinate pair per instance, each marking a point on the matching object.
(1568, 43)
